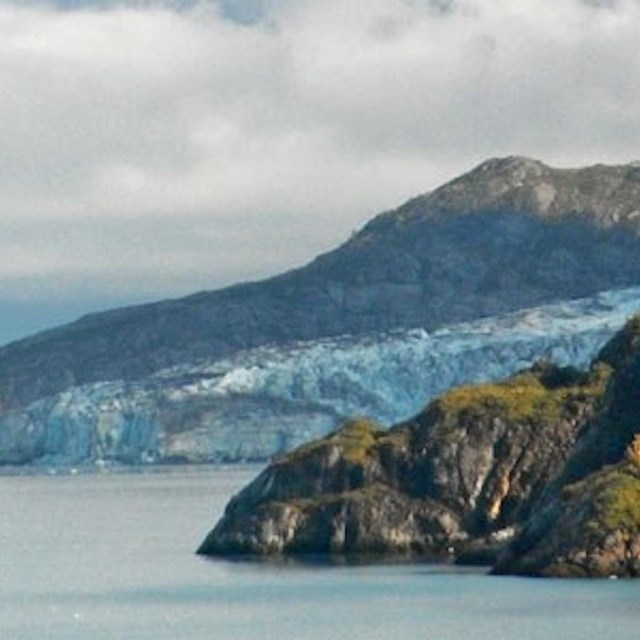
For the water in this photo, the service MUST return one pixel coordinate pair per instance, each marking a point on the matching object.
(110, 556)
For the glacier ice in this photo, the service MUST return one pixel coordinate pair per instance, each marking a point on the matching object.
(261, 402)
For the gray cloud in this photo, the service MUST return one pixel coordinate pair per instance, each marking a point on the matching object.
(155, 148)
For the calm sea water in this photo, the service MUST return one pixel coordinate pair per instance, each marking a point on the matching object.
(110, 556)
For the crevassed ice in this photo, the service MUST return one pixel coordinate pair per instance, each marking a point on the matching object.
(266, 400)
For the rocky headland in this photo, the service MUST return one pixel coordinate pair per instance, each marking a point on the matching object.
(538, 475)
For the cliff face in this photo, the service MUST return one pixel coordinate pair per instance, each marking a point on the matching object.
(541, 472)
(461, 474)
(512, 233)
(589, 521)
(331, 496)
(590, 529)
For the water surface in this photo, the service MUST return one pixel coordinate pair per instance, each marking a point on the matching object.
(111, 556)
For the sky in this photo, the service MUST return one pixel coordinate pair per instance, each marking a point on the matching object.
(154, 148)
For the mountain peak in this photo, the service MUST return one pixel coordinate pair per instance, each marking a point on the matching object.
(510, 164)
(606, 195)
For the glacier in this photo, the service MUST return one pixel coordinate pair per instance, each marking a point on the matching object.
(264, 401)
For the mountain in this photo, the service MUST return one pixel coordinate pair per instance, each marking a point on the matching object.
(539, 474)
(261, 402)
(510, 234)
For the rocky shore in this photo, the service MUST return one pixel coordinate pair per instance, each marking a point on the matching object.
(538, 475)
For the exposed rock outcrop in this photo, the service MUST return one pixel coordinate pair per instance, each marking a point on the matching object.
(541, 472)
(591, 529)
(343, 505)
(461, 474)
(589, 520)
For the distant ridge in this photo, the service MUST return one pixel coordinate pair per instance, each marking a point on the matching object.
(512, 233)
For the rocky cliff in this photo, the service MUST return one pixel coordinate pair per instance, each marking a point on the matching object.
(262, 402)
(541, 471)
(512, 233)
(588, 523)
(465, 470)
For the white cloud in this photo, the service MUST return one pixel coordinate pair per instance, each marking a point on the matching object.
(148, 150)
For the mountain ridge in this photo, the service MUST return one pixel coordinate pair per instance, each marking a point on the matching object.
(529, 184)
(477, 246)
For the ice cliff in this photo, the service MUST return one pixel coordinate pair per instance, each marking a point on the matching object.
(267, 400)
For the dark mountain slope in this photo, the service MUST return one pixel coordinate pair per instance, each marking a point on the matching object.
(509, 234)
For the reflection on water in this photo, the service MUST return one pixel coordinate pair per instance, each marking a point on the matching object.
(108, 556)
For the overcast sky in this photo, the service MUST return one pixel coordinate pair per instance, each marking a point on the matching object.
(155, 148)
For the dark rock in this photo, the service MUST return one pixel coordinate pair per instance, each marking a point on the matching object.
(588, 522)
(591, 529)
(539, 475)
(333, 496)
(464, 471)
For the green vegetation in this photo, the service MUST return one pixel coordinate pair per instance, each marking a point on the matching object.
(619, 502)
(539, 394)
(355, 439)
(518, 401)
(613, 497)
